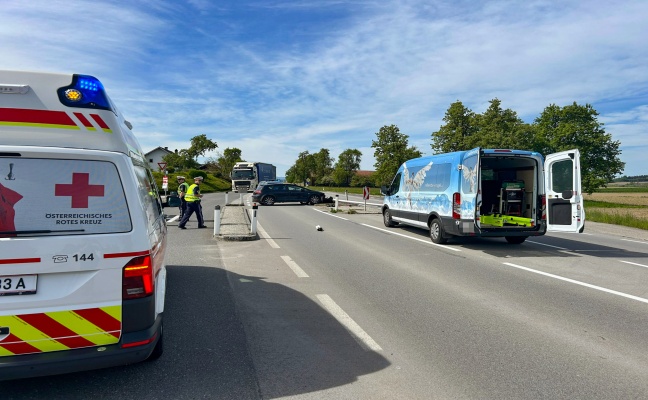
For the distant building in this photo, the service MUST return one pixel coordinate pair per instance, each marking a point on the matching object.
(155, 156)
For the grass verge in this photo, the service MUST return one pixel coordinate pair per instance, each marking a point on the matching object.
(606, 216)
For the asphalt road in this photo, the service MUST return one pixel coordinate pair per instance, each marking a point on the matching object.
(560, 316)
(360, 311)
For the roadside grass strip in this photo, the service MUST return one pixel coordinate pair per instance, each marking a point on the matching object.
(343, 318)
(562, 278)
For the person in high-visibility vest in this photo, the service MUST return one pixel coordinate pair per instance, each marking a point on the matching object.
(182, 190)
(193, 197)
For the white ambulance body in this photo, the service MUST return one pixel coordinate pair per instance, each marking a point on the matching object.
(82, 233)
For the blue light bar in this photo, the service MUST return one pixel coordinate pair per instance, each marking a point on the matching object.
(85, 91)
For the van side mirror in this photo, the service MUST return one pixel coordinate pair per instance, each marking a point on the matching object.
(567, 194)
(384, 190)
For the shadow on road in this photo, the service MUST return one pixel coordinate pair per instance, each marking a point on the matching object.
(298, 348)
(553, 246)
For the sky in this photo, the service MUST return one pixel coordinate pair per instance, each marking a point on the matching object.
(275, 78)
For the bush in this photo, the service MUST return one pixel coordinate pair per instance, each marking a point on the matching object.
(196, 172)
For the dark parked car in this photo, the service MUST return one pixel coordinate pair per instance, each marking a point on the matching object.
(272, 192)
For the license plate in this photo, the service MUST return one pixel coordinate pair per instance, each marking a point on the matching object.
(18, 285)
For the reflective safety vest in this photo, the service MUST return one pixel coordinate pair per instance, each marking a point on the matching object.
(182, 188)
(190, 196)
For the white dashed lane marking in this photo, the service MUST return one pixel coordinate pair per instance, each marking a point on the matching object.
(343, 318)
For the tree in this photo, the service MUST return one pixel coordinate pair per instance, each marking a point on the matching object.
(458, 131)
(200, 145)
(576, 126)
(180, 160)
(322, 164)
(391, 151)
(498, 129)
(304, 165)
(227, 160)
(188, 158)
(291, 174)
(348, 163)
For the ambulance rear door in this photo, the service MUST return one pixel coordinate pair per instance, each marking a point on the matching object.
(65, 237)
(563, 187)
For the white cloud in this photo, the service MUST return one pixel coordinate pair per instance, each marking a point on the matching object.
(253, 77)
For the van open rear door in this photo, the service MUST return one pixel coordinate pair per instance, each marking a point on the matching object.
(563, 188)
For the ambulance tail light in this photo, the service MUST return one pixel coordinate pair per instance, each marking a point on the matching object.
(456, 205)
(85, 91)
(138, 279)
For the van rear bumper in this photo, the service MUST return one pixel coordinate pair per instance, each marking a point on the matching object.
(63, 362)
(468, 228)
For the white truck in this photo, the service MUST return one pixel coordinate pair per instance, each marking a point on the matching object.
(247, 175)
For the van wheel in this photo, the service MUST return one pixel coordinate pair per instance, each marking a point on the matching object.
(268, 200)
(387, 219)
(515, 239)
(159, 346)
(436, 232)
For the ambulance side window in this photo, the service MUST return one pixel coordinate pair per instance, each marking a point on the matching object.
(148, 192)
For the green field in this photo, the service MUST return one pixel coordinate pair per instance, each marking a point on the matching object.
(626, 206)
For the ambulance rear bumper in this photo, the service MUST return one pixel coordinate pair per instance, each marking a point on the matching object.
(63, 362)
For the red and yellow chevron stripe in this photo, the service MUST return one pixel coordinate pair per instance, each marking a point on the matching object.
(60, 330)
(36, 118)
(49, 119)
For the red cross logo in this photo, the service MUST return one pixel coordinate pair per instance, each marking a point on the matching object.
(80, 189)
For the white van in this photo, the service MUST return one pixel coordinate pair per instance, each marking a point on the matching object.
(82, 233)
(488, 192)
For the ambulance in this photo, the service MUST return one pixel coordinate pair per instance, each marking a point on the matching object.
(82, 233)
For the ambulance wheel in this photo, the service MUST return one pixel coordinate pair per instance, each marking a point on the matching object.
(268, 200)
(515, 239)
(159, 346)
(387, 219)
(436, 232)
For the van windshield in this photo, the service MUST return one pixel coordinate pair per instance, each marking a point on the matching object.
(41, 196)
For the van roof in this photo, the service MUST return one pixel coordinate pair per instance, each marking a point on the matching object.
(62, 110)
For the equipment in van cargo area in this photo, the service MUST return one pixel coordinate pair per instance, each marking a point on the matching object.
(82, 234)
(487, 192)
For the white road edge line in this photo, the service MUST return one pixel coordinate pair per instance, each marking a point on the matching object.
(267, 237)
(293, 265)
(356, 331)
(635, 241)
(329, 214)
(548, 245)
(409, 237)
(602, 289)
(639, 265)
